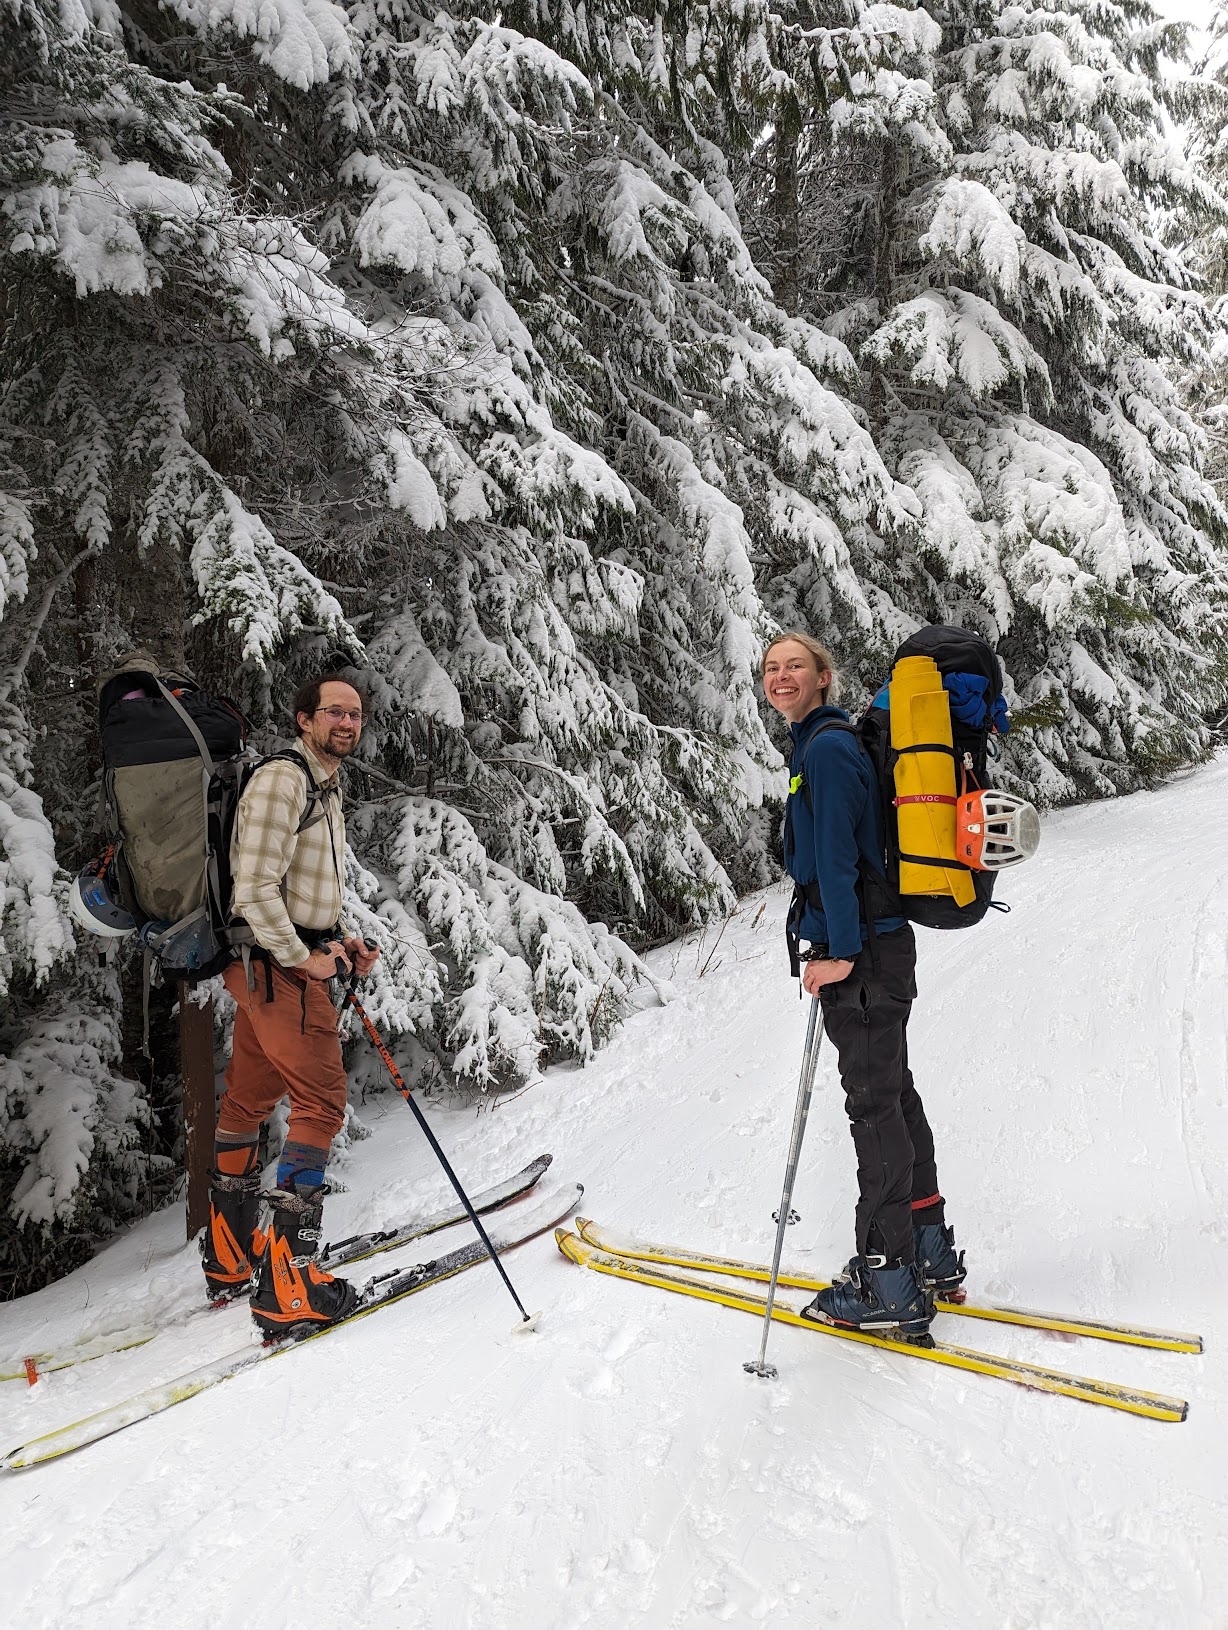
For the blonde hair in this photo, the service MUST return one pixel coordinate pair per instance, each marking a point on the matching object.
(822, 657)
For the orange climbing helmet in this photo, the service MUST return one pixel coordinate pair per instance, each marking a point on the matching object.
(993, 829)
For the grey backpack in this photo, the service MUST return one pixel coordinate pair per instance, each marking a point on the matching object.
(175, 763)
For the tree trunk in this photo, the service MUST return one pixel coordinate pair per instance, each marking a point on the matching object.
(152, 605)
(784, 209)
(890, 176)
(199, 1104)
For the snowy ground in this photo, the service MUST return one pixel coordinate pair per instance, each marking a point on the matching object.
(617, 1468)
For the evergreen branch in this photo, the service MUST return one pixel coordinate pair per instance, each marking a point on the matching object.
(13, 676)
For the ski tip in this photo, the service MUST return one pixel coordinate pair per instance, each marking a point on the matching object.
(572, 1246)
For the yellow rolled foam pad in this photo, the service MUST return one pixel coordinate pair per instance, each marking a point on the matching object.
(921, 712)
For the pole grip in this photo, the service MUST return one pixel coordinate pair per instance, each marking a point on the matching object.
(371, 945)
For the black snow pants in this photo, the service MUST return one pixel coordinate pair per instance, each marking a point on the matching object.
(866, 1017)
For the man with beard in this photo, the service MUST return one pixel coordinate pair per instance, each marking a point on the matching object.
(288, 863)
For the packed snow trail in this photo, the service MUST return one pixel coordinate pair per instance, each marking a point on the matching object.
(428, 1470)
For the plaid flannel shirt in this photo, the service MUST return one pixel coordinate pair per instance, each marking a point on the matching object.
(283, 877)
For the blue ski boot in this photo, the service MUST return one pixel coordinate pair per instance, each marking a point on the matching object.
(941, 1269)
(881, 1297)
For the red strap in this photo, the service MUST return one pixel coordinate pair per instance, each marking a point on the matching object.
(930, 1200)
(926, 798)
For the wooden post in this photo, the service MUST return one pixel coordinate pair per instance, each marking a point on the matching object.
(199, 1104)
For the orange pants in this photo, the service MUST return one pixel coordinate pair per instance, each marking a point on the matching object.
(289, 1045)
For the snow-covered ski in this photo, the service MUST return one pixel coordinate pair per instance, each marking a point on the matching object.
(1154, 1405)
(357, 1248)
(1132, 1335)
(361, 1246)
(546, 1211)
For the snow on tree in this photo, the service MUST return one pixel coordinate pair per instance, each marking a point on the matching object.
(281, 390)
(994, 254)
(1206, 110)
(438, 345)
(150, 327)
(549, 184)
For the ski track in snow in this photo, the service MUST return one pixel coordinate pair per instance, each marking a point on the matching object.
(432, 1469)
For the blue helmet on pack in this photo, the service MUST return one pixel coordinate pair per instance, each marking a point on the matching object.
(94, 903)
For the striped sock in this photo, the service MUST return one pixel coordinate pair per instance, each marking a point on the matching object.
(301, 1167)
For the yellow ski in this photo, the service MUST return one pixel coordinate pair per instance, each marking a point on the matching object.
(98, 1347)
(1153, 1405)
(1131, 1335)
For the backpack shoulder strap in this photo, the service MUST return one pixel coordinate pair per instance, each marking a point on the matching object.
(799, 782)
(188, 722)
(808, 893)
(316, 808)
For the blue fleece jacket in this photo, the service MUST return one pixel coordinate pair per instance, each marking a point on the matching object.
(823, 846)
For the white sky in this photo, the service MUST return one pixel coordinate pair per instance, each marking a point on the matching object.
(1194, 11)
(1186, 11)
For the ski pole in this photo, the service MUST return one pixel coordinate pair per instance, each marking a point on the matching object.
(398, 1081)
(810, 1059)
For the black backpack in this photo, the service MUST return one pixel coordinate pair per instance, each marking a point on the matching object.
(953, 650)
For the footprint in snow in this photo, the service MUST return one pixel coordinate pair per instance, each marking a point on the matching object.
(621, 1343)
(601, 1384)
(437, 1514)
(391, 1574)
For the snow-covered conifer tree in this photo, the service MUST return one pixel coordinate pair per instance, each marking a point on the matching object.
(997, 260)
(1207, 122)
(573, 656)
(434, 342)
(164, 349)
(420, 349)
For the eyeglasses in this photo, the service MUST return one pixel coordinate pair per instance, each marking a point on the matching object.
(339, 714)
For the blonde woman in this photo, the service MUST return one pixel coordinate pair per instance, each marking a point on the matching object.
(860, 961)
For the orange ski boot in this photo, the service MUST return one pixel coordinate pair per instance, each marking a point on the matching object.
(231, 1245)
(292, 1293)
